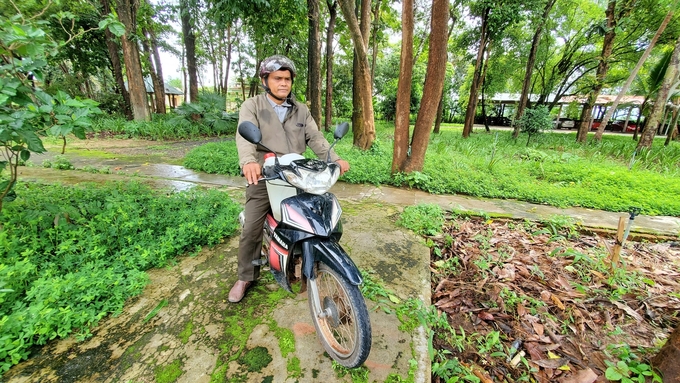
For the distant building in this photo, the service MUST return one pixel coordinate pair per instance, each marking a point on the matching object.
(173, 96)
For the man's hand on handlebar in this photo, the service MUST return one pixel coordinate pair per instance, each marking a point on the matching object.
(344, 166)
(253, 172)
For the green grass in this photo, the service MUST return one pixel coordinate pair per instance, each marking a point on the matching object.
(552, 170)
(72, 255)
(164, 127)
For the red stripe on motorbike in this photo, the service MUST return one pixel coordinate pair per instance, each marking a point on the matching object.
(298, 220)
(272, 222)
(276, 254)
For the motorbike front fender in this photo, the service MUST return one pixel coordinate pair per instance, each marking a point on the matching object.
(333, 255)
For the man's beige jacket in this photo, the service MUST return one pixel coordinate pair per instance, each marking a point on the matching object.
(297, 131)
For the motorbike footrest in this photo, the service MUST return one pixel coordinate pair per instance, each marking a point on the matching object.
(260, 262)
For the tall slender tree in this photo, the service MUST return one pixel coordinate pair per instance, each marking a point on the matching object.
(434, 83)
(615, 12)
(374, 37)
(330, 36)
(116, 65)
(363, 123)
(127, 15)
(531, 61)
(402, 116)
(633, 74)
(495, 18)
(669, 80)
(189, 40)
(314, 61)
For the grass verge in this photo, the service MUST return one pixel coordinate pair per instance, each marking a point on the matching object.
(552, 170)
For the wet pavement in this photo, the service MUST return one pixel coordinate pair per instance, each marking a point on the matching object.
(125, 348)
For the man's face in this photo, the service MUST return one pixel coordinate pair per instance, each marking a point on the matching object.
(280, 83)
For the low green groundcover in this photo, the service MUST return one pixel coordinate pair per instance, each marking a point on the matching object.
(71, 255)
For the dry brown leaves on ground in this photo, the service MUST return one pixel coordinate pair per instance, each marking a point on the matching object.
(557, 300)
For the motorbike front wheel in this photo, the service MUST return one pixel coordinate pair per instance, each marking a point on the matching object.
(341, 318)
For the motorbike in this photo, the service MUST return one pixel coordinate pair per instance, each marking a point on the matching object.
(302, 230)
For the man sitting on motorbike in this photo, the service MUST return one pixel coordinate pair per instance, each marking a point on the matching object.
(287, 127)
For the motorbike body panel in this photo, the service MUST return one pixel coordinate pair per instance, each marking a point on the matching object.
(313, 214)
(309, 223)
(330, 253)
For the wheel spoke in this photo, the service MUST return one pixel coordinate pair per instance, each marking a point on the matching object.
(340, 317)
(341, 327)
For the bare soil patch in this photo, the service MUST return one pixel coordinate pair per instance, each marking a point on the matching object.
(553, 296)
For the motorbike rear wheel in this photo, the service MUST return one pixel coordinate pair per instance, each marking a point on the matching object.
(342, 324)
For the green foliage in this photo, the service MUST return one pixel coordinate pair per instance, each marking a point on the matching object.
(59, 162)
(358, 374)
(26, 111)
(256, 359)
(209, 112)
(629, 368)
(535, 120)
(72, 255)
(165, 127)
(214, 157)
(423, 219)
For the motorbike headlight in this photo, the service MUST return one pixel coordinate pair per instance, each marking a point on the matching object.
(313, 181)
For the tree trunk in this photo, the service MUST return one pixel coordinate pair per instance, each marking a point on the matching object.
(633, 74)
(374, 36)
(602, 68)
(440, 108)
(155, 71)
(476, 83)
(225, 84)
(314, 61)
(440, 112)
(403, 106)
(160, 94)
(652, 123)
(330, 33)
(364, 130)
(673, 127)
(526, 85)
(667, 359)
(190, 49)
(484, 114)
(152, 73)
(114, 58)
(127, 14)
(432, 89)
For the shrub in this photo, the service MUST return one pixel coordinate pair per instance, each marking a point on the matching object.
(424, 219)
(535, 120)
(72, 255)
(209, 112)
(214, 157)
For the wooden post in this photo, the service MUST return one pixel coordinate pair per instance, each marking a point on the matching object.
(616, 252)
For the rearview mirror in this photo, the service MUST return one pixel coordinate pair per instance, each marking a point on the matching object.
(341, 130)
(250, 132)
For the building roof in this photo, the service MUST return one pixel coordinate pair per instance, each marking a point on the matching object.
(604, 99)
(169, 89)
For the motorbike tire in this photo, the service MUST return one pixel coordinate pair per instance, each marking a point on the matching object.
(345, 330)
